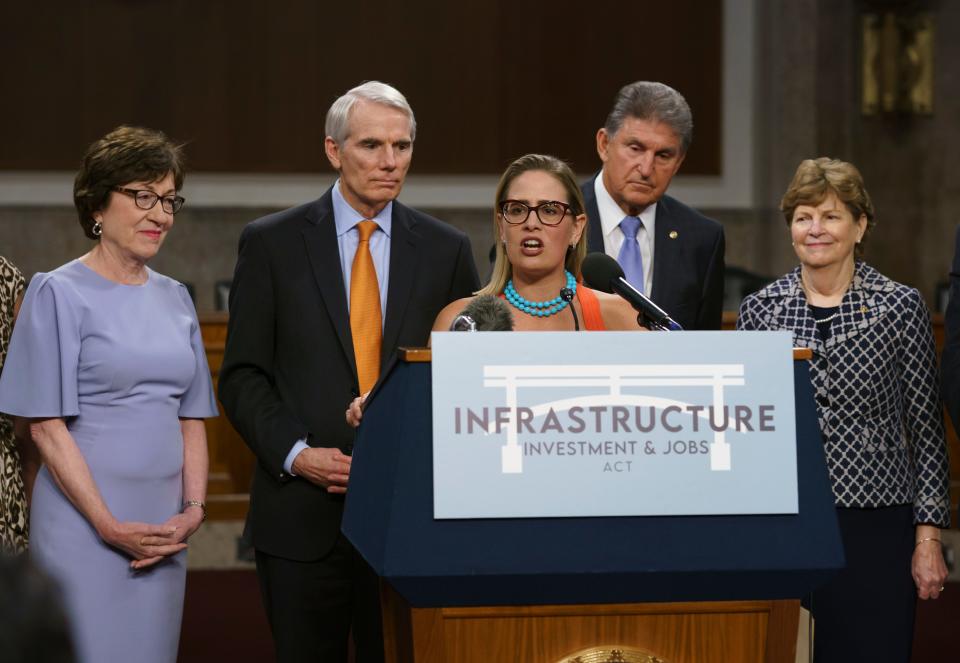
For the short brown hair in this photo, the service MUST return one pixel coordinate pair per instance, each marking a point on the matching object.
(502, 270)
(816, 179)
(126, 154)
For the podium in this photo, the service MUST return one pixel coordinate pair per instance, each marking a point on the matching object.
(673, 589)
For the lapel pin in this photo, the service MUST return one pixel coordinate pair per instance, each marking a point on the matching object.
(673, 234)
(864, 309)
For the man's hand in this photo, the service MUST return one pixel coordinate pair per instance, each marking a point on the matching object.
(354, 412)
(326, 467)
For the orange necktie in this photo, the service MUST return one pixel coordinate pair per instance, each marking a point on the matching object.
(365, 318)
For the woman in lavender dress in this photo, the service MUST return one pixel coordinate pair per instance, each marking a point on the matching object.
(107, 362)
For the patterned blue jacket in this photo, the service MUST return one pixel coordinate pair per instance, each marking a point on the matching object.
(877, 390)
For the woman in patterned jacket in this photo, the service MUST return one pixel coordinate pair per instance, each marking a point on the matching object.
(13, 495)
(874, 373)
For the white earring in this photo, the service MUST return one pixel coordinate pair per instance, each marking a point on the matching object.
(97, 228)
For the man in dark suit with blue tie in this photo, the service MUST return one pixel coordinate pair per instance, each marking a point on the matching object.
(322, 296)
(668, 251)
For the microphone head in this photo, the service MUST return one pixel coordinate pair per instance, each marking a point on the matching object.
(599, 270)
(463, 323)
(489, 313)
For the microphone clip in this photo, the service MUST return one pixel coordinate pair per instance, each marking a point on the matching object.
(645, 320)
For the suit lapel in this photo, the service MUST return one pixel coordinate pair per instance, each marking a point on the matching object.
(666, 252)
(594, 227)
(403, 263)
(796, 313)
(320, 236)
(791, 313)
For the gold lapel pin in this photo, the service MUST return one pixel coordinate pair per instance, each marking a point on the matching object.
(864, 309)
(673, 234)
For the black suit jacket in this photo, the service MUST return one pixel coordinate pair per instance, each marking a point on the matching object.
(289, 371)
(687, 268)
(950, 363)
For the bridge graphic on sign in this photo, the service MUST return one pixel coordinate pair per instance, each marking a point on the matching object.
(614, 378)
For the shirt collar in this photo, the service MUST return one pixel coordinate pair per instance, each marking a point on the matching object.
(345, 217)
(610, 213)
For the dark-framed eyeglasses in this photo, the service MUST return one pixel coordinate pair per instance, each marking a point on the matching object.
(550, 212)
(146, 199)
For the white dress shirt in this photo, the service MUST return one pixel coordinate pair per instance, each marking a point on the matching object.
(610, 217)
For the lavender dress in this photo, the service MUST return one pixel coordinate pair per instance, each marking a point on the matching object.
(121, 364)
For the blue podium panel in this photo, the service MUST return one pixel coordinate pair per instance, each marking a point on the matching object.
(521, 561)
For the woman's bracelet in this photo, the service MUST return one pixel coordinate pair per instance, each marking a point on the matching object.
(203, 507)
(925, 539)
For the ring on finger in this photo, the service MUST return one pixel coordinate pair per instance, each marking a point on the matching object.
(942, 588)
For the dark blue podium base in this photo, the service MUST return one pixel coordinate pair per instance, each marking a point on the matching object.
(389, 518)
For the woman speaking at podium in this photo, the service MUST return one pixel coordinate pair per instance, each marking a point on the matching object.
(538, 224)
(874, 375)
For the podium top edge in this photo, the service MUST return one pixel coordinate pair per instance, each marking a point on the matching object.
(425, 355)
(415, 355)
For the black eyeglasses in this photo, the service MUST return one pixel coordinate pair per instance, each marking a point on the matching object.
(550, 213)
(146, 199)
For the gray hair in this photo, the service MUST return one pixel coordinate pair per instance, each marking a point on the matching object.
(647, 100)
(338, 117)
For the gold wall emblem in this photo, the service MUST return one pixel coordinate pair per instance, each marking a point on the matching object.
(897, 63)
(612, 654)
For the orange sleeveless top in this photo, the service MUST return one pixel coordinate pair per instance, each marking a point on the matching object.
(589, 306)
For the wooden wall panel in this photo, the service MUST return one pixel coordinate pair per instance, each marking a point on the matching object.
(247, 83)
(742, 631)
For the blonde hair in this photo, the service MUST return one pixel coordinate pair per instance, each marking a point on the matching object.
(816, 179)
(502, 269)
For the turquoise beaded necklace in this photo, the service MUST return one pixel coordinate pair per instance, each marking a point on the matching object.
(539, 309)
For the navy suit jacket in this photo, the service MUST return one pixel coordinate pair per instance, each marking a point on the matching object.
(687, 260)
(289, 371)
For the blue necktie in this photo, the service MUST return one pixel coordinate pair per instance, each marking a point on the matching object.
(630, 258)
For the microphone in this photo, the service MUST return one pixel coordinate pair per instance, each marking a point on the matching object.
(566, 294)
(484, 313)
(602, 272)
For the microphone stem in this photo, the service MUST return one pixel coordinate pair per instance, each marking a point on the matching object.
(567, 295)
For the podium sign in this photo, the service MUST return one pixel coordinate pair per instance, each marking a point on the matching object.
(655, 424)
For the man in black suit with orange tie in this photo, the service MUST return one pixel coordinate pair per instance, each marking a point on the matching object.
(668, 251)
(322, 295)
